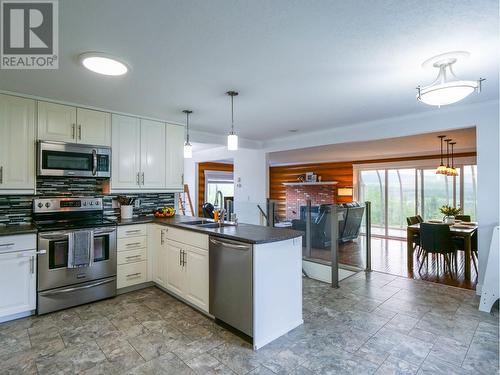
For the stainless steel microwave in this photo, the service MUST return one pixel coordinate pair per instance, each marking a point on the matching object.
(71, 159)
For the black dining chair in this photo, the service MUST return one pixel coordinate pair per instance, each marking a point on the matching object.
(465, 218)
(436, 239)
(416, 237)
(420, 219)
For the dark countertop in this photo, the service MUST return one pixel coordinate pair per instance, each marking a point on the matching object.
(254, 234)
(12, 230)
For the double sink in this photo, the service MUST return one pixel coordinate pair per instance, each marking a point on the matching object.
(208, 224)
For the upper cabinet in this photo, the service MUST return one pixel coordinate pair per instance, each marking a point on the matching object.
(58, 122)
(175, 157)
(17, 144)
(94, 127)
(144, 157)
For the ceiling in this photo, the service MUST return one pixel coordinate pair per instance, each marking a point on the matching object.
(303, 65)
(416, 145)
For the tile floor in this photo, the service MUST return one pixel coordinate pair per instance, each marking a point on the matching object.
(374, 323)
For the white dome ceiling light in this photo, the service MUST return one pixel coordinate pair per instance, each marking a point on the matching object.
(446, 88)
(102, 63)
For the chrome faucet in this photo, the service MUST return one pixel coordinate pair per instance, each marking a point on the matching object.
(222, 211)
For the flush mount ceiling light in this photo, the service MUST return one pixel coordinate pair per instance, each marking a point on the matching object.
(446, 88)
(232, 138)
(188, 148)
(102, 63)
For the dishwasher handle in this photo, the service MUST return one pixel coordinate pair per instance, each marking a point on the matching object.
(230, 245)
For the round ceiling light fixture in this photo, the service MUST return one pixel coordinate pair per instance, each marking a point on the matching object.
(446, 88)
(102, 63)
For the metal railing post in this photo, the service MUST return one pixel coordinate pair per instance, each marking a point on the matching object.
(335, 245)
(368, 231)
(308, 228)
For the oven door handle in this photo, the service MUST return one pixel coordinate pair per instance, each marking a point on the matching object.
(54, 236)
(76, 288)
(104, 231)
(94, 162)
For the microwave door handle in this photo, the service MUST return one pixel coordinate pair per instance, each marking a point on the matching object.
(94, 162)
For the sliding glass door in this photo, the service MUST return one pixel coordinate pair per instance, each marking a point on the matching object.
(397, 193)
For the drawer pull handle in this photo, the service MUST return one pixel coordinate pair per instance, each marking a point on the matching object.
(7, 244)
(133, 231)
(133, 256)
(134, 275)
(133, 244)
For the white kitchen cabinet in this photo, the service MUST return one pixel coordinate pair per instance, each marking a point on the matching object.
(126, 148)
(56, 122)
(65, 123)
(158, 252)
(176, 275)
(17, 275)
(196, 268)
(187, 273)
(152, 154)
(175, 157)
(132, 255)
(17, 144)
(94, 127)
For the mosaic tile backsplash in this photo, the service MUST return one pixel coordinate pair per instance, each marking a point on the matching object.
(16, 209)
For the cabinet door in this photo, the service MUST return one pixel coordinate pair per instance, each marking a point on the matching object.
(175, 157)
(152, 154)
(17, 282)
(160, 260)
(17, 143)
(125, 160)
(196, 266)
(176, 277)
(56, 122)
(94, 127)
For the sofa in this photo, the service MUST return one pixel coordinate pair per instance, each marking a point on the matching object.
(350, 217)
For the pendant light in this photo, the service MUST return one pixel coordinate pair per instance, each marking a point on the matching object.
(446, 88)
(452, 171)
(188, 148)
(232, 138)
(447, 171)
(441, 169)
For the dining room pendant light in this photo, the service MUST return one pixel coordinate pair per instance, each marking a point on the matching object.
(446, 88)
(232, 138)
(447, 171)
(442, 168)
(188, 148)
(452, 171)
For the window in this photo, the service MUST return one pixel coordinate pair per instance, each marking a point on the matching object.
(397, 193)
(218, 180)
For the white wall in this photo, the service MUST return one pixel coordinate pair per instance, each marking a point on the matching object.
(250, 176)
(485, 116)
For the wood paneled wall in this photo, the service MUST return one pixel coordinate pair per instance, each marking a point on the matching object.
(208, 166)
(340, 172)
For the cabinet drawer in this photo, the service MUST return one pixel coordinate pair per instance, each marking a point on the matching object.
(125, 231)
(187, 237)
(131, 256)
(131, 274)
(131, 243)
(16, 243)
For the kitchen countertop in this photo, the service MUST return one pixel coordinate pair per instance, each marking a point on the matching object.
(12, 230)
(254, 234)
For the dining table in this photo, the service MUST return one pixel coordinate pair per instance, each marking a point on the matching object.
(463, 229)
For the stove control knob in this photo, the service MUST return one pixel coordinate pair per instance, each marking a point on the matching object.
(47, 204)
(97, 203)
(84, 203)
(91, 203)
(40, 205)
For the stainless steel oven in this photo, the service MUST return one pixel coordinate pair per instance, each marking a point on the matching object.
(71, 159)
(67, 227)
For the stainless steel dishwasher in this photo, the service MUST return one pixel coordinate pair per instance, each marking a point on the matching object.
(231, 279)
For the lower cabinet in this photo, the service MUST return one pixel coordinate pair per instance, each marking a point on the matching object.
(187, 273)
(132, 255)
(17, 275)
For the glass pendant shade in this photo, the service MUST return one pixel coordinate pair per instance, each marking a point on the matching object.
(232, 142)
(188, 150)
(441, 169)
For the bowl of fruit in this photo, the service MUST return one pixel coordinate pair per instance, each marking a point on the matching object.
(165, 212)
